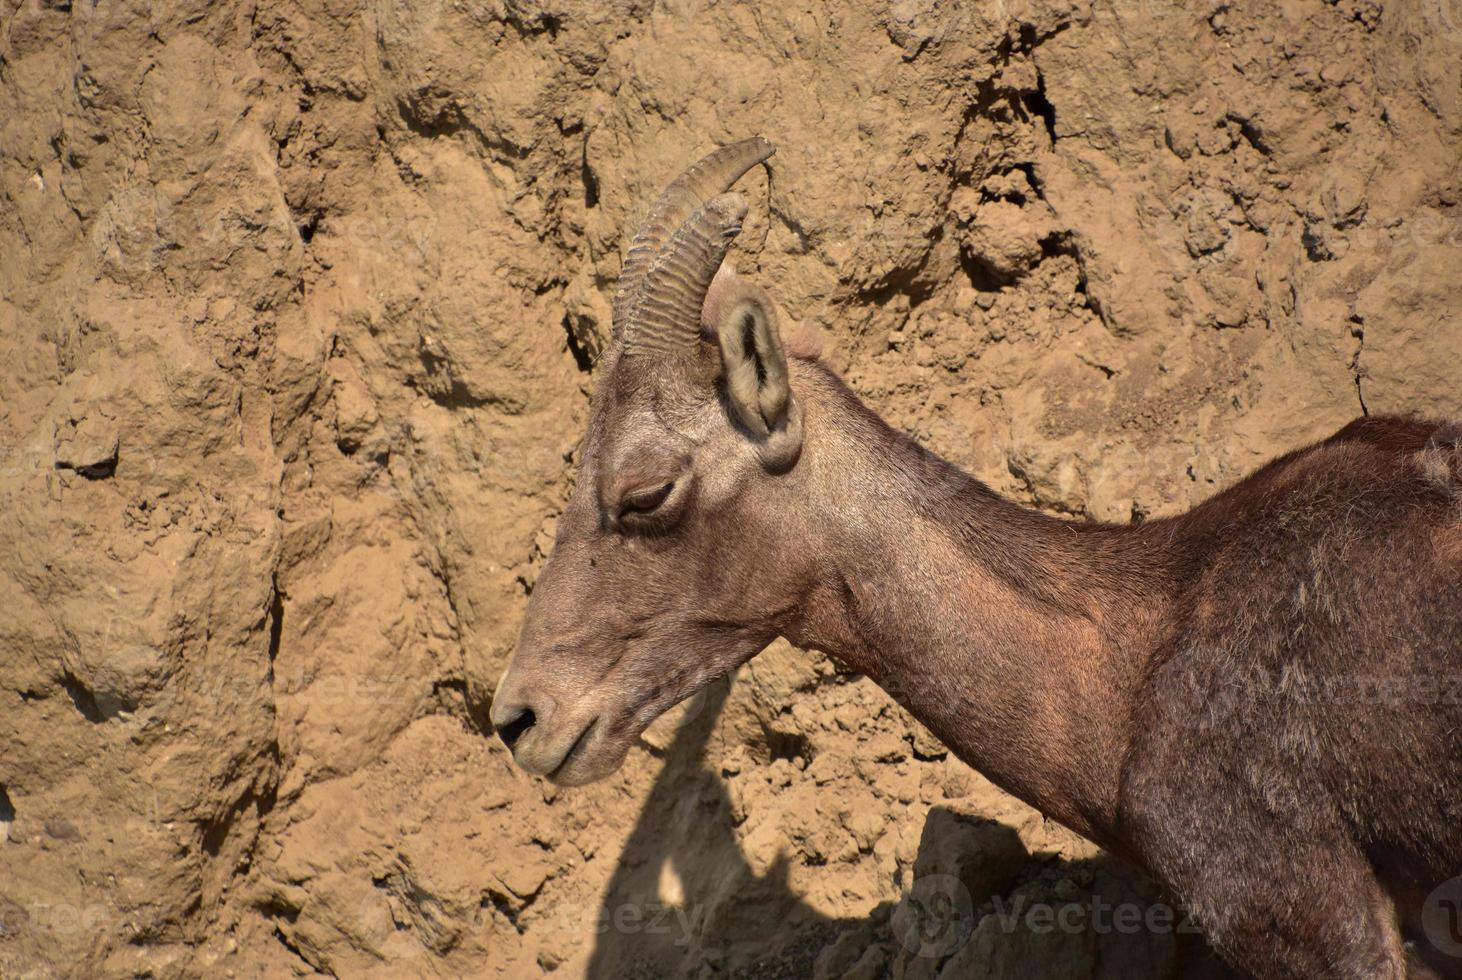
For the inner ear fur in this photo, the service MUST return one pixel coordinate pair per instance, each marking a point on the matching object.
(743, 320)
(753, 363)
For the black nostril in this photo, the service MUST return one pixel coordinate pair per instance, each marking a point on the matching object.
(513, 730)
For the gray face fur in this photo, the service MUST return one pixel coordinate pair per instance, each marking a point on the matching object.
(656, 583)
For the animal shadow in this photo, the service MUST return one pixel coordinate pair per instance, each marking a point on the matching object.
(684, 902)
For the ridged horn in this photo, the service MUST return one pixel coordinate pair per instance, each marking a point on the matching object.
(664, 316)
(712, 175)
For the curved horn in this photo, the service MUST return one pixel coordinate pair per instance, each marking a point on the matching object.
(713, 174)
(664, 315)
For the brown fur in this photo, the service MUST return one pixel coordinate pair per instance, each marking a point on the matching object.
(1197, 694)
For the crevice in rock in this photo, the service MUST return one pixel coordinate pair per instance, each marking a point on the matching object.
(586, 175)
(978, 272)
(500, 902)
(582, 357)
(1087, 299)
(1358, 331)
(1030, 38)
(786, 745)
(1252, 135)
(288, 944)
(7, 811)
(308, 90)
(1029, 169)
(262, 799)
(276, 624)
(275, 907)
(83, 699)
(1038, 105)
(100, 469)
(1108, 373)
(1057, 243)
(308, 227)
(1316, 248)
(449, 697)
(529, 24)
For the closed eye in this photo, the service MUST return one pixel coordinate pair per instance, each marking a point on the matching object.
(642, 503)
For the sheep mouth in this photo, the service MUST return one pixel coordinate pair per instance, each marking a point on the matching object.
(574, 752)
(600, 749)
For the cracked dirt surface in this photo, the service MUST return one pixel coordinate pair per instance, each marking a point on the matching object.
(299, 305)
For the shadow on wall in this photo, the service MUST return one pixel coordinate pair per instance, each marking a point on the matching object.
(683, 902)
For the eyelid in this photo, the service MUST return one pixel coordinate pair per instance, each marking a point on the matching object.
(646, 499)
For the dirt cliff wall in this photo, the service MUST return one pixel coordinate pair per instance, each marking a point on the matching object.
(299, 304)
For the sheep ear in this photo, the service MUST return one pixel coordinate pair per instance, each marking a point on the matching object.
(754, 367)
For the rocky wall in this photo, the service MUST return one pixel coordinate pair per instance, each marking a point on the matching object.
(299, 308)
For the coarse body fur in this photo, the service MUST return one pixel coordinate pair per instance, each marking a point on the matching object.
(1258, 703)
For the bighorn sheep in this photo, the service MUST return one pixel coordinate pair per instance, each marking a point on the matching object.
(1257, 703)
